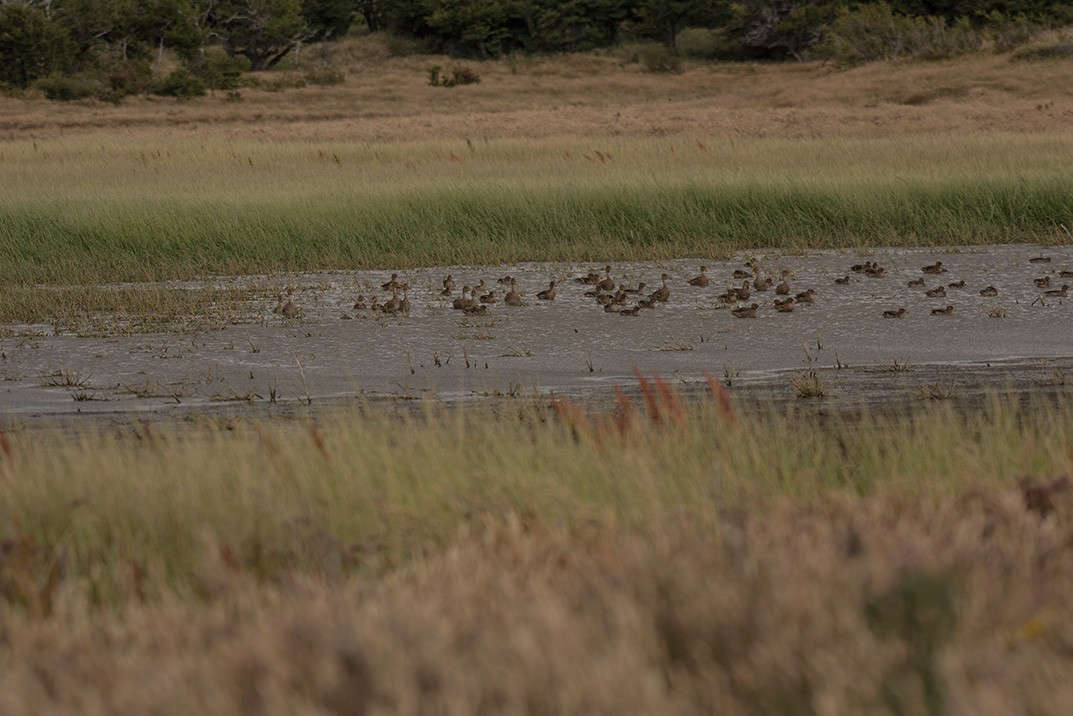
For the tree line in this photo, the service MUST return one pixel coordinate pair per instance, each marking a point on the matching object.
(117, 43)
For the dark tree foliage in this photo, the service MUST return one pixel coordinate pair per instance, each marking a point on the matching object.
(31, 45)
(329, 19)
(262, 31)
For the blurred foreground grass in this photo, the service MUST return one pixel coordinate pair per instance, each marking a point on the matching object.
(662, 557)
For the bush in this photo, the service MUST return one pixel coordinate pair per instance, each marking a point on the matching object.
(221, 72)
(1009, 33)
(181, 84)
(67, 88)
(1052, 51)
(458, 76)
(660, 59)
(324, 75)
(874, 32)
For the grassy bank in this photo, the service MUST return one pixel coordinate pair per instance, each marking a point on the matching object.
(662, 558)
(126, 210)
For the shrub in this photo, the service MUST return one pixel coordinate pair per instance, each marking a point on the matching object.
(220, 71)
(67, 88)
(324, 75)
(1051, 51)
(181, 84)
(660, 59)
(458, 76)
(1009, 33)
(874, 32)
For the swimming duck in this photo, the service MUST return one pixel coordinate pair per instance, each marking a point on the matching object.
(630, 311)
(390, 283)
(741, 273)
(1043, 282)
(1065, 273)
(915, 283)
(783, 288)
(786, 306)
(448, 285)
(662, 293)
(934, 268)
(607, 283)
(513, 298)
(375, 305)
(548, 294)
(1060, 292)
(612, 307)
(463, 301)
(640, 289)
(939, 292)
(1040, 260)
(942, 311)
(861, 268)
(762, 284)
(900, 313)
(489, 297)
(746, 311)
(842, 281)
(808, 296)
(876, 271)
(957, 284)
(702, 279)
(505, 281)
(481, 310)
(989, 291)
(359, 305)
(394, 303)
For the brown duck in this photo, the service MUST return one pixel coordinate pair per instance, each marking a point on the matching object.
(1040, 260)
(939, 292)
(783, 288)
(513, 298)
(661, 294)
(359, 305)
(548, 294)
(934, 268)
(989, 291)
(808, 296)
(842, 281)
(786, 306)
(915, 283)
(702, 279)
(956, 284)
(900, 313)
(607, 283)
(1059, 292)
(942, 311)
(746, 311)
(390, 283)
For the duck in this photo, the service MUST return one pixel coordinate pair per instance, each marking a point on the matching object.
(934, 268)
(448, 285)
(630, 311)
(876, 271)
(897, 313)
(1060, 292)
(489, 297)
(785, 306)
(513, 298)
(394, 303)
(861, 268)
(942, 311)
(359, 305)
(1040, 260)
(762, 284)
(989, 291)
(956, 284)
(640, 288)
(463, 301)
(915, 283)
(939, 292)
(742, 273)
(390, 283)
(590, 278)
(548, 294)
(663, 293)
(1065, 273)
(607, 283)
(702, 279)
(612, 307)
(404, 305)
(746, 311)
(1043, 282)
(505, 281)
(375, 305)
(808, 296)
(842, 280)
(481, 310)
(783, 288)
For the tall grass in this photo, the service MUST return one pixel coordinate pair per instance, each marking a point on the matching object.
(114, 211)
(363, 491)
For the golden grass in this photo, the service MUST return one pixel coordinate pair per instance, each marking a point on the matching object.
(659, 558)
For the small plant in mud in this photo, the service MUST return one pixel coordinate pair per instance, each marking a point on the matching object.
(458, 76)
(809, 384)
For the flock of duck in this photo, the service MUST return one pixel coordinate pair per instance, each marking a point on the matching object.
(616, 298)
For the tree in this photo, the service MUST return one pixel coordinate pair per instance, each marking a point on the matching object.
(262, 31)
(328, 18)
(31, 44)
(664, 19)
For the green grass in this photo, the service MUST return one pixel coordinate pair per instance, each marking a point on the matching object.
(112, 212)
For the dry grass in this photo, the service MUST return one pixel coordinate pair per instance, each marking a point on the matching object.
(387, 98)
(661, 557)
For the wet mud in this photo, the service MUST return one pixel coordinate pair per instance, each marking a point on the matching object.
(262, 363)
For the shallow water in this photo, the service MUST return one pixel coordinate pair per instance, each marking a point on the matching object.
(571, 346)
